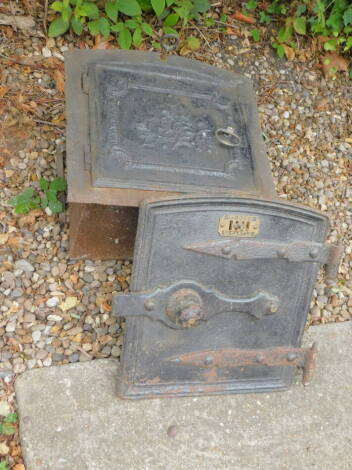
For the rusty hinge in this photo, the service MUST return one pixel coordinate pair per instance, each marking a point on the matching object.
(298, 251)
(304, 358)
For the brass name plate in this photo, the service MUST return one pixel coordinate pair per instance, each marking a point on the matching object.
(233, 225)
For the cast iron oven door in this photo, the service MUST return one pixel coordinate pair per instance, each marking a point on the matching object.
(220, 293)
(158, 124)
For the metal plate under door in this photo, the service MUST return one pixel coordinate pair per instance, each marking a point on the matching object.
(220, 293)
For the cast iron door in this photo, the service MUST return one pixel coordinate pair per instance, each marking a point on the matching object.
(220, 293)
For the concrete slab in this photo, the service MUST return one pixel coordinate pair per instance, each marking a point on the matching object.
(70, 418)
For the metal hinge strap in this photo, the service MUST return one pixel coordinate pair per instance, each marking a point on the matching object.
(296, 252)
(304, 358)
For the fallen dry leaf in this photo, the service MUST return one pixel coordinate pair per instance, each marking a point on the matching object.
(3, 90)
(244, 18)
(68, 303)
(59, 80)
(289, 52)
(3, 238)
(101, 43)
(24, 23)
(332, 63)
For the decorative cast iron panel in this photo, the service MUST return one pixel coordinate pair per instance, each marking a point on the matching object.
(214, 314)
(139, 121)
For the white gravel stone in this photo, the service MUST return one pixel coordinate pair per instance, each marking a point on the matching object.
(52, 302)
(24, 265)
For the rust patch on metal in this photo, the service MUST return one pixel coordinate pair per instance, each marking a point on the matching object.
(235, 225)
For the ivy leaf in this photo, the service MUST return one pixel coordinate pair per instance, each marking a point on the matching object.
(300, 25)
(137, 37)
(168, 30)
(125, 39)
(58, 184)
(171, 20)
(158, 6)
(130, 7)
(93, 27)
(57, 27)
(104, 28)
(285, 34)
(147, 29)
(66, 14)
(112, 9)
(301, 9)
(43, 184)
(145, 5)
(280, 50)
(90, 10)
(7, 429)
(77, 26)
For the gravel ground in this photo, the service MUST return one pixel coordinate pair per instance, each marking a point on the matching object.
(56, 310)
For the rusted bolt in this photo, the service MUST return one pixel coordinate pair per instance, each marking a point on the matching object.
(314, 252)
(226, 250)
(291, 356)
(172, 430)
(208, 360)
(260, 358)
(149, 305)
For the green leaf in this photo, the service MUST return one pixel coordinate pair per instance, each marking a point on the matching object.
(137, 37)
(300, 25)
(129, 7)
(285, 33)
(57, 27)
(117, 27)
(347, 16)
(104, 28)
(300, 10)
(331, 45)
(348, 44)
(171, 20)
(90, 10)
(43, 184)
(24, 197)
(200, 6)
(3, 465)
(51, 195)
(58, 184)
(256, 34)
(147, 29)
(131, 24)
(55, 206)
(168, 30)
(22, 208)
(66, 14)
(193, 43)
(280, 51)
(93, 27)
(44, 202)
(158, 6)
(77, 26)
(251, 5)
(7, 429)
(264, 18)
(112, 9)
(156, 45)
(57, 6)
(145, 5)
(11, 418)
(125, 39)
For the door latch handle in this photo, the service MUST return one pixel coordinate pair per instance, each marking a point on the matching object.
(186, 304)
